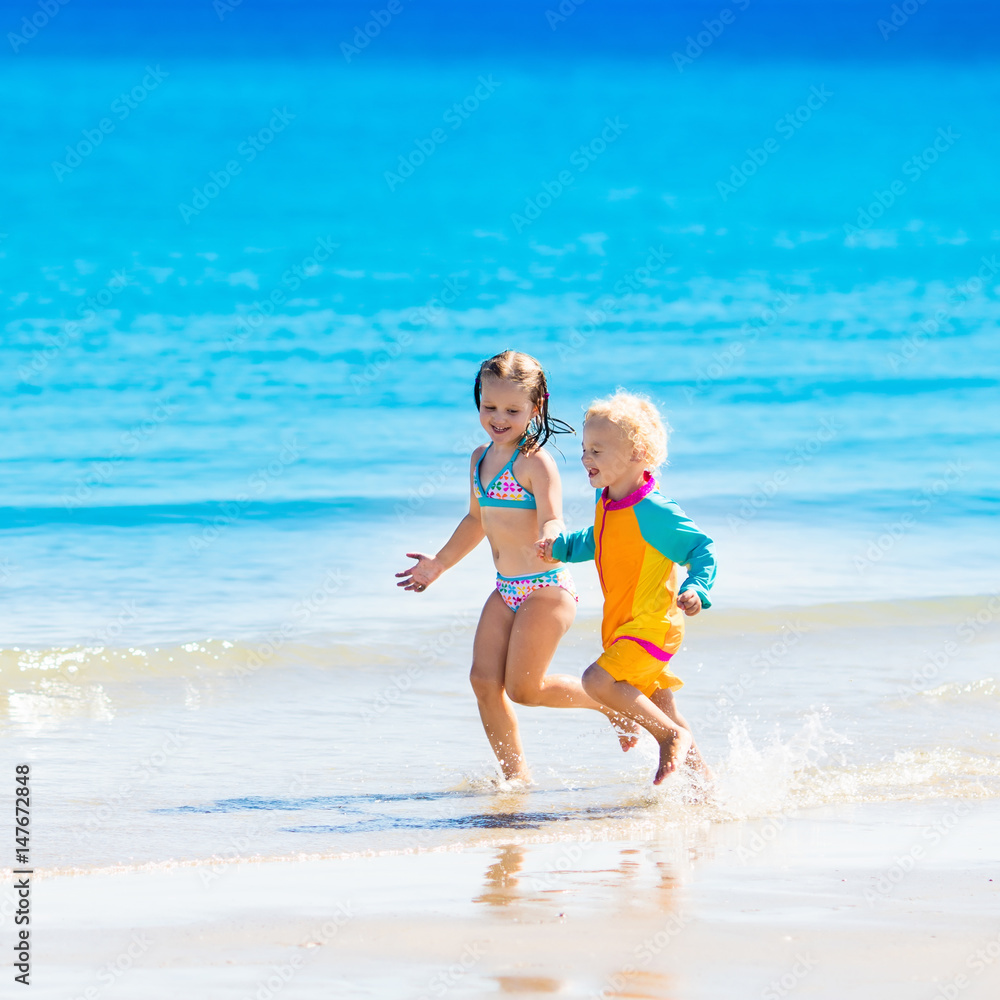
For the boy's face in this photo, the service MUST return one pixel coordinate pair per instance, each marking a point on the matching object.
(505, 410)
(608, 454)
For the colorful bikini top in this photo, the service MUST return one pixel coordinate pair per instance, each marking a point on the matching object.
(505, 490)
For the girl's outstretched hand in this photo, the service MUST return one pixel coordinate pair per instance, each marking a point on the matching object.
(689, 602)
(420, 576)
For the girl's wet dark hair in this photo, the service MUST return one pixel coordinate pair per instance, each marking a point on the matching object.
(525, 371)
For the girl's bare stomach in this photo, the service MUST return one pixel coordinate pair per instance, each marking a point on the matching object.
(512, 535)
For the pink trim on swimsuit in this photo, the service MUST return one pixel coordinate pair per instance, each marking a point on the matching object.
(654, 651)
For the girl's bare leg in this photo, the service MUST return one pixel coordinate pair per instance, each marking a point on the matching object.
(489, 664)
(541, 621)
(675, 739)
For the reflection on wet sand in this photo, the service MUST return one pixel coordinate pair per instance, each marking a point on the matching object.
(640, 885)
(501, 877)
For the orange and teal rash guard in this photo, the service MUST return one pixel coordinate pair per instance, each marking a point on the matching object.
(639, 543)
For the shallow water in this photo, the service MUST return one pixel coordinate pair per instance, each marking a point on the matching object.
(203, 654)
(224, 751)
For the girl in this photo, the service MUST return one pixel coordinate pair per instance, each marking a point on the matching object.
(515, 499)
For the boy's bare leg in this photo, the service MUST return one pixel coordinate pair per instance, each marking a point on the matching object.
(541, 621)
(489, 662)
(663, 699)
(674, 739)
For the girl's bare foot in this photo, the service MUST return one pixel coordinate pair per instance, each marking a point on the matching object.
(626, 730)
(673, 750)
(514, 768)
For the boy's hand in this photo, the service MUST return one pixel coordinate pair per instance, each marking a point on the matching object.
(689, 602)
(544, 549)
(422, 575)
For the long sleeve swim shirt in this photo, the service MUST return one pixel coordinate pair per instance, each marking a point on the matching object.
(640, 544)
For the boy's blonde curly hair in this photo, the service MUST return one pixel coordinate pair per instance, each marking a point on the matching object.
(639, 420)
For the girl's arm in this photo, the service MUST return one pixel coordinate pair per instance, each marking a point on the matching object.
(547, 488)
(464, 539)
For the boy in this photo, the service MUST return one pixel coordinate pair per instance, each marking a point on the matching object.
(639, 540)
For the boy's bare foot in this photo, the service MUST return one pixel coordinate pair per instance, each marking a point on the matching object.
(672, 751)
(626, 730)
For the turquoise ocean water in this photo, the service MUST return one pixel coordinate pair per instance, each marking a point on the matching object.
(245, 291)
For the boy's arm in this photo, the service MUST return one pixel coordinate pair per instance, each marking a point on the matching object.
(671, 532)
(575, 546)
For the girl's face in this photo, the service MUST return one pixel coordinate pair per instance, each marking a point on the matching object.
(505, 410)
(608, 454)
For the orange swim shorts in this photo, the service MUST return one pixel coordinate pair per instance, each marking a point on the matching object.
(627, 660)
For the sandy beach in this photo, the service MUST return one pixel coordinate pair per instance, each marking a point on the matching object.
(880, 902)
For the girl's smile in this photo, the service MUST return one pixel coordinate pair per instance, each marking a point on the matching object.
(505, 410)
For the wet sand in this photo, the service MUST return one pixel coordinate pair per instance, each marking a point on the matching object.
(881, 901)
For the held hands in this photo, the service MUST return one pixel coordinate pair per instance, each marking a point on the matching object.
(422, 575)
(689, 602)
(543, 549)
